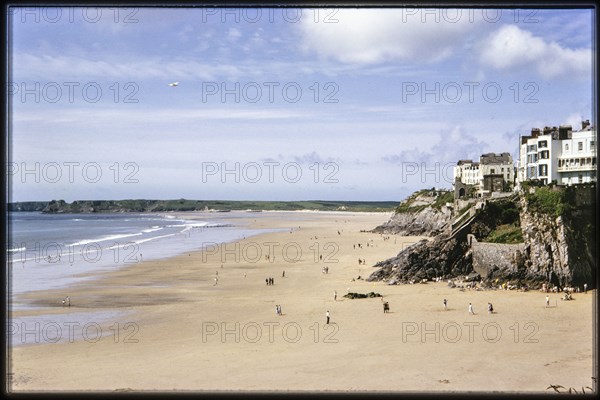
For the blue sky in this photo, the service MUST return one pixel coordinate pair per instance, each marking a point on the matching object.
(337, 104)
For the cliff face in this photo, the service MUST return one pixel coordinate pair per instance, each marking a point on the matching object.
(427, 222)
(444, 256)
(560, 248)
(558, 234)
(422, 214)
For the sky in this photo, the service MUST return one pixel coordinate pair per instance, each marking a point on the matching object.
(281, 104)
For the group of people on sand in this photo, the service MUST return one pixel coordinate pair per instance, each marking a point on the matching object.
(556, 289)
(325, 270)
(270, 281)
(490, 307)
(66, 302)
(361, 261)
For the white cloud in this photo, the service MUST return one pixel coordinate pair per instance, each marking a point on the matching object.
(49, 67)
(234, 34)
(454, 144)
(575, 120)
(511, 47)
(369, 36)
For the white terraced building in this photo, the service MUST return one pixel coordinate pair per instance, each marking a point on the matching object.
(558, 155)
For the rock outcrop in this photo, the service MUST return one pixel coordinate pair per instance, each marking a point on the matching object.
(427, 222)
(558, 233)
(423, 214)
(444, 256)
(561, 248)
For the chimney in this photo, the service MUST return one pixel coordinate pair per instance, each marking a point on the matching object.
(564, 132)
(585, 124)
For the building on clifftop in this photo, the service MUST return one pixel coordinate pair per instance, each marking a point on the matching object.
(558, 155)
(492, 174)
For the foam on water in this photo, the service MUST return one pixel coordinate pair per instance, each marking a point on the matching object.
(55, 251)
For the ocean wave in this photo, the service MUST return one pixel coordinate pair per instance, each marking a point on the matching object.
(152, 229)
(154, 238)
(103, 239)
(16, 250)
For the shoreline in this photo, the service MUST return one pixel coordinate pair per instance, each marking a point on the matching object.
(178, 348)
(92, 278)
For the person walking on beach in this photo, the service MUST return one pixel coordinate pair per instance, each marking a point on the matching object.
(327, 316)
(335, 295)
(445, 305)
(490, 308)
(471, 309)
(547, 301)
(267, 281)
(283, 274)
(244, 274)
(216, 281)
(585, 288)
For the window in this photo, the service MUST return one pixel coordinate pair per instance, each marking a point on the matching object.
(493, 171)
(580, 146)
(543, 170)
(592, 144)
(543, 143)
(580, 178)
(566, 146)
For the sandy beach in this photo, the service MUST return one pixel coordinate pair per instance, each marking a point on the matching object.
(188, 332)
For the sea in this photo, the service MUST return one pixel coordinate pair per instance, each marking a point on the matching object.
(49, 251)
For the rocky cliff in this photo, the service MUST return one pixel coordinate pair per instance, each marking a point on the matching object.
(444, 256)
(559, 232)
(422, 214)
(556, 229)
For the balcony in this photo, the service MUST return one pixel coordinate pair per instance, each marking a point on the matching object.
(576, 168)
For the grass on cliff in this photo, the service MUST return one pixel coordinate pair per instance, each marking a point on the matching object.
(507, 233)
(550, 201)
(499, 222)
(407, 205)
(447, 197)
